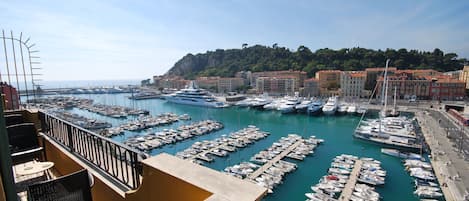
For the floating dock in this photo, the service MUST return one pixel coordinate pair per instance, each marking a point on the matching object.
(274, 160)
(350, 185)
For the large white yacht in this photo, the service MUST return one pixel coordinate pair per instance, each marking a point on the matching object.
(331, 106)
(192, 95)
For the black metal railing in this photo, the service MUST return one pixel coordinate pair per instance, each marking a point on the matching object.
(115, 159)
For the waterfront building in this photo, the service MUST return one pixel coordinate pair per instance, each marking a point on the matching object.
(447, 88)
(453, 74)
(9, 96)
(229, 84)
(277, 86)
(311, 87)
(352, 83)
(329, 82)
(464, 76)
(421, 72)
(300, 76)
(406, 85)
(209, 83)
(173, 82)
(246, 76)
(372, 75)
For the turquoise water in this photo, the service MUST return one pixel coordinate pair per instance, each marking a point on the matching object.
(336, 131)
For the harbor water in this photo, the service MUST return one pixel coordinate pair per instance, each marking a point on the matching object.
(335, 130)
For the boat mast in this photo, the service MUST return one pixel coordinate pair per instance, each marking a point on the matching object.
(395, 95)
(385, 82)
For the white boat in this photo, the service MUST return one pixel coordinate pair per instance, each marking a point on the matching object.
(352, 109)
(400, 154)
(303, 106)
(331, 106)
(194, 96)
(315, 108)
(342, 108)
(287, 107)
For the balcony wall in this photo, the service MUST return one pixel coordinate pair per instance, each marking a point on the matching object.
(170, 178)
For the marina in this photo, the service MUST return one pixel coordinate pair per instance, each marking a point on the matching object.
(170, 136)
(270, 168)
(221, 146)
(349, 178)
(336, 130)
(143, 122)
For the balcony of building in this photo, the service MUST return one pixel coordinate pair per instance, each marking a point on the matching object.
(115, 171)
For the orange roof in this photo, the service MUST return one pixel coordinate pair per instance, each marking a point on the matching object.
(381, 69)
(358, 75)
(416, 71)
(329, 71)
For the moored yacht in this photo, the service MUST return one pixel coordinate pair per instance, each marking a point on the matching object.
(331, 106)
(303, 106)
(194, 96)
(315, 108)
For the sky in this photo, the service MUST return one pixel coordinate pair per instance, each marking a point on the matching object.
(114, 40)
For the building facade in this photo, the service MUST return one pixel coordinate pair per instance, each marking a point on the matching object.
(444, 88)
(311, 87)
(209, 83)
(352, 84)
(372, 74)
(406, 86)
(299, 75)
(174, 82)
(329, 82)
(229, 84)
(277, 86)
(464, 76)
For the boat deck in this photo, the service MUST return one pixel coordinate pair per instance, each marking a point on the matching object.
(350, 185)
(274, 160)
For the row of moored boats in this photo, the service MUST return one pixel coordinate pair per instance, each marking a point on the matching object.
(426, 185)
(331, 186)
(145, 122)
(267, 168)
(170, 136)
(204, 150)
(312, 106)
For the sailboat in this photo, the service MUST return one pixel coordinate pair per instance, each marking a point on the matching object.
(385, 112)
(386, 135)
(394, 112)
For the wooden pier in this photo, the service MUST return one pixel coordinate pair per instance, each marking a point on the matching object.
(350, 185)
(274, 160)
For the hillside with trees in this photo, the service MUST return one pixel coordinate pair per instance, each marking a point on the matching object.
(263, 58)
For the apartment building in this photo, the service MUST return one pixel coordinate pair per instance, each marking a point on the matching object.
(352, 83)
(277, 86)
(229, 84)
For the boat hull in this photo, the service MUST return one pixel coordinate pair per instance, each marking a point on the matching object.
(387, 145)
(194, 102)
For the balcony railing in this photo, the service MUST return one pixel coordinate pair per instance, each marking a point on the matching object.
(117, 160)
